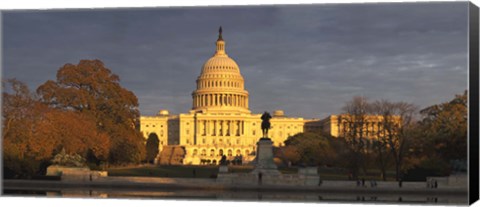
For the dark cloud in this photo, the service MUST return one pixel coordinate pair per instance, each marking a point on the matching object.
(307, 60)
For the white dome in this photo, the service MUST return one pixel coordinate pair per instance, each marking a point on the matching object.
(220, 64)
(278, 113)
(163, 112)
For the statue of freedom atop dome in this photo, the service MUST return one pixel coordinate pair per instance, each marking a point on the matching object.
(265, 123)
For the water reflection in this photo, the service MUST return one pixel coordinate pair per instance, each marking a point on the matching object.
(252, 196)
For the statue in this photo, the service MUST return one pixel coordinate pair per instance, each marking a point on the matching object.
(223, 161)
(265, 124)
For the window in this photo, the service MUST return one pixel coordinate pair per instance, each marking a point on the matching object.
(204, 152)
(153, 125)
(195, 152)
(212, 152)
(220, 152)
(229, 153)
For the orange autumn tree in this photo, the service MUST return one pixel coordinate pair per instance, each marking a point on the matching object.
(33, 133)
(18, 119)
(92, 90)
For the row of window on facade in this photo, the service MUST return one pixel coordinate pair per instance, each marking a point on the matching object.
(368, 128)
(212, 153)
(220, 141)
(153, 125)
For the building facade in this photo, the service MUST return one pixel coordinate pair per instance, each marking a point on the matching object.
(372, 126)
(219, 122)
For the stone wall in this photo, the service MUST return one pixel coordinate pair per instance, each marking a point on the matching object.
(305, 177)
(75, 173)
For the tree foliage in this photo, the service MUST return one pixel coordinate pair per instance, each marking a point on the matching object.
(85, 112)
(152, 147)
(94, 91)
(395, 131)
(33, 132)
(354, 133)
(310, 149)
(444, 127)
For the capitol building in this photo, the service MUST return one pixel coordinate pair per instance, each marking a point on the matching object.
(219, 122)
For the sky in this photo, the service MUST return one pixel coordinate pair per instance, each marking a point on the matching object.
(307, 60)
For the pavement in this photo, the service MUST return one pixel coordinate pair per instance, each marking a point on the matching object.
(146, 183)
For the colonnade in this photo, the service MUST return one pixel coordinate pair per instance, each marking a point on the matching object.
(216, 83)
(221, 127)
(220, 99)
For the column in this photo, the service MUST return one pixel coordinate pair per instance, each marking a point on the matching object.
(214, 127)
(224, 127)
(220, 128)
(234, 128)
(238, 128)
(242, 128)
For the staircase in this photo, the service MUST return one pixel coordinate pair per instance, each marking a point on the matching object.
(171, 155)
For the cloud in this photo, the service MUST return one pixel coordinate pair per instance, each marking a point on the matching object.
(307, 60)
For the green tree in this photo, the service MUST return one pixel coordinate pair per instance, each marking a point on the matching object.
(444, 127)
(310, 149)
(152, 147)
(94, 91)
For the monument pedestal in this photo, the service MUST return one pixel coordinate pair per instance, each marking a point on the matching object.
(264, 164)
(266, 172)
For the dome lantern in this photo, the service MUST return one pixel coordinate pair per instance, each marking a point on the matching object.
(220, 44)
